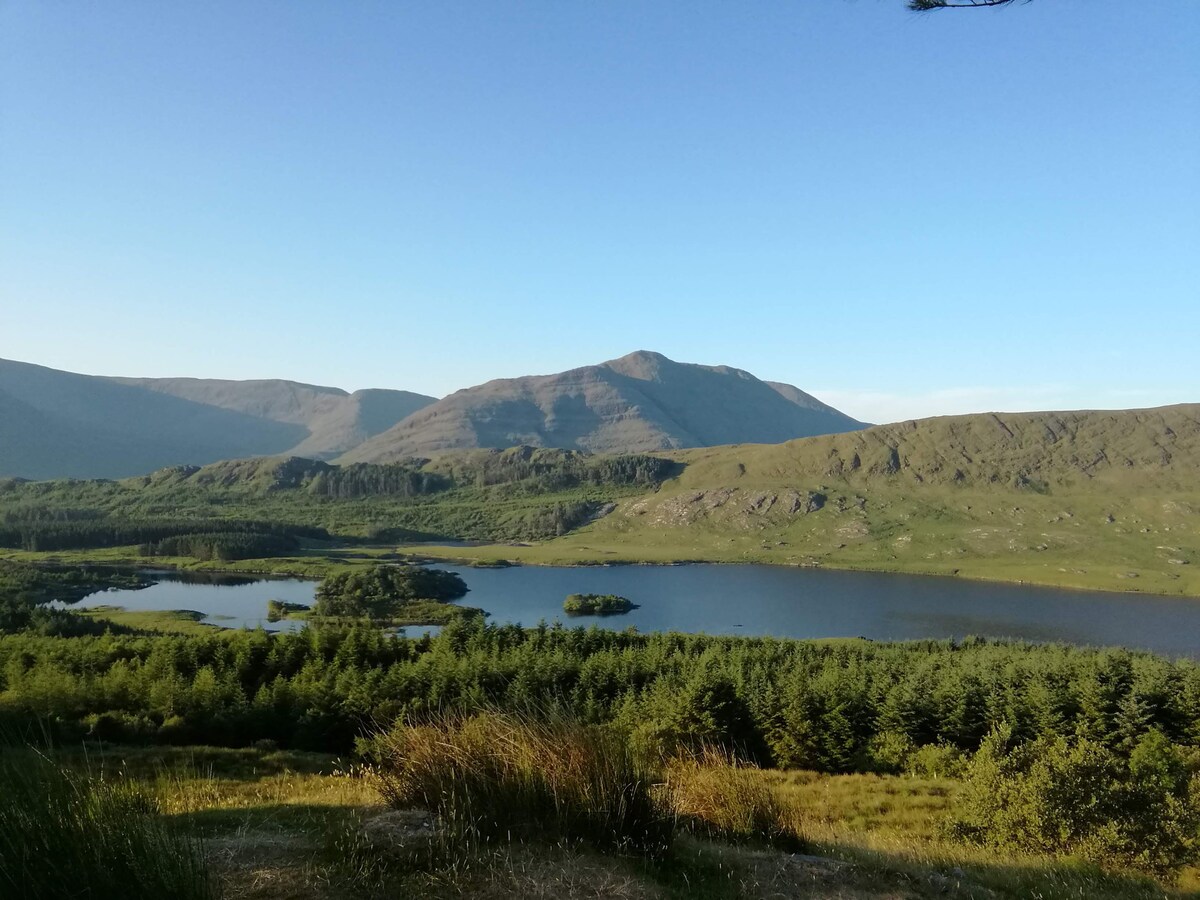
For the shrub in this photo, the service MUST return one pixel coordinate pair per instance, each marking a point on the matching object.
(936, 761)
(492, 777)
(888, 752)
(64, 835)
(1082, 799)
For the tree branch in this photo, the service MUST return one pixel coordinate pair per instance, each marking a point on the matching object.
(927, 5)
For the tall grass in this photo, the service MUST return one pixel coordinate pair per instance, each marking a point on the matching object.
(714, 794)
(491, 777)
(63, 835)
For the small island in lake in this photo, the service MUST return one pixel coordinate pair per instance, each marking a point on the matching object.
(392, 596)
(281, 609)
(596, 605)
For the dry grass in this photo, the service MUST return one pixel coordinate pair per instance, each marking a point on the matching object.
(713, 794)
(493, 777)
(284, 825)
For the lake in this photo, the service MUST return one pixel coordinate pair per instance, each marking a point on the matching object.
(750, 600)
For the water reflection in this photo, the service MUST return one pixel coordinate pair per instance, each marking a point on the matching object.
(743, 600)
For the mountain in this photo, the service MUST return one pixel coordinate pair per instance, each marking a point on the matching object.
(56, 424)
(638, 403)
(336, 421)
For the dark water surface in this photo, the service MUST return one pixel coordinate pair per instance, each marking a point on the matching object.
(759, 600)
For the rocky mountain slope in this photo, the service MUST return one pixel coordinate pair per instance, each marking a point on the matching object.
(638, 403)
(60, 424)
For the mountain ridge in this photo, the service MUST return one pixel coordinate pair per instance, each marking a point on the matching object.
(65, 424)
(639, 402)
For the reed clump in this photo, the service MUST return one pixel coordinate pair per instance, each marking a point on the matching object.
(489, 778)
(714, 794)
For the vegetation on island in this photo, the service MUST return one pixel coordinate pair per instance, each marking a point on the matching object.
(596, 605)
(393, 595)
(278, 610)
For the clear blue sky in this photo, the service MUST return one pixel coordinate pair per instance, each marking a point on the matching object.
(907, 215)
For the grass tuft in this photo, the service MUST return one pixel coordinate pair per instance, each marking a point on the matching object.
(715, 795)
(63, 834)
(491, 778)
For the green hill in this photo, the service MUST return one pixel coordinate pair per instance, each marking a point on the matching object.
(1088, 499)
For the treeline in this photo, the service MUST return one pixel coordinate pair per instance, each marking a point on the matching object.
(222, 545)
(26, 590)
(830, 706)
(89, 534)
(43, 515)
(539, 470)
(367, 480)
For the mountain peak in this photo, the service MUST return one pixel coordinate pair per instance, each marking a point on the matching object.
(640, 364)
(640, 402)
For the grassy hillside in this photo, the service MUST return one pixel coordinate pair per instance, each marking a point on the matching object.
(304, 825)
(1087, 499)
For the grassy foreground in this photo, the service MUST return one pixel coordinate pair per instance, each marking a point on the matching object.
(284, 824)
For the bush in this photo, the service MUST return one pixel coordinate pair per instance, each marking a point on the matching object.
(63, 835)
(936, 761)
(492, 777)
(1080, 798)
(888, 752)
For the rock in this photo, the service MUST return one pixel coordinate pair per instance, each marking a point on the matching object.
(402, 832)
(823, 862)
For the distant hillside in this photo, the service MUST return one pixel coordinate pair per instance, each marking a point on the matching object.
(639, 403)
(336, 421)
(57, 424)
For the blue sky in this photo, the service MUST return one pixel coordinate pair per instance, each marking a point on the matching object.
(905, 214)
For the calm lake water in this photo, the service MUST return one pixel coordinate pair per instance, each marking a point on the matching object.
(755, 600)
